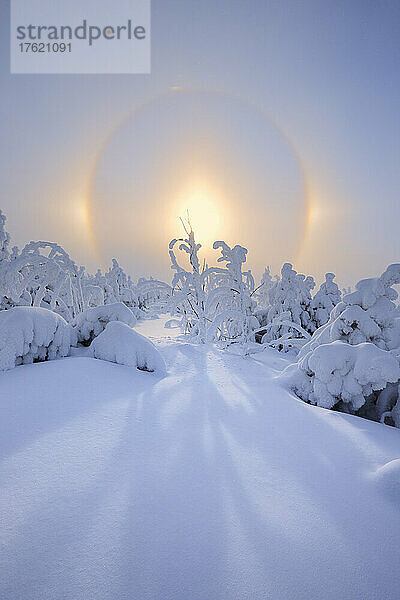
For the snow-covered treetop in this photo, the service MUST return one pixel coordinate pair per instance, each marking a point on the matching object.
(4, 238)
(325, 300)
(189, 246)
(368, 291)
(234, 257)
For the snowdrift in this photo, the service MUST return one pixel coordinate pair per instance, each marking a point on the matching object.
(120, 344)
(211, 483)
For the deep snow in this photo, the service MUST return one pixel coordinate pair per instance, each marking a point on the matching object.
(212, 483)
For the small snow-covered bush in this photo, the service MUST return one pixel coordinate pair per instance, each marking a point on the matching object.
(4, 239)
(4, 262)
(288, 320)
(324, 301)
(230, 303)
(153, 294)
(43, 275)
(92, 321)
(264, 288)
(339, 375)
(114, 286)
(32, 334)
(188, 287)
(212, 303)
(122, 286)
(120, 344)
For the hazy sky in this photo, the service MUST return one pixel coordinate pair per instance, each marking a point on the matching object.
(283, 136)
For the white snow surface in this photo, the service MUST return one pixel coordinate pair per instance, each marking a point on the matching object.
(211, 483)
(120, 344)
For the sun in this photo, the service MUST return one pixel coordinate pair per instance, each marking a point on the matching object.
(204, 206)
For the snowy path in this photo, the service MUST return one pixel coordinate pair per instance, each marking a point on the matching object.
(210, 484)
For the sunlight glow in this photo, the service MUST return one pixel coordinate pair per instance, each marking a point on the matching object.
(83, 220)
(314, 214)
(205, 212)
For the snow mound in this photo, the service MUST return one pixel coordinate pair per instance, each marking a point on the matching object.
(92, 321)
(341, 373)
(387, 479)
(32, 334)
(120, 344)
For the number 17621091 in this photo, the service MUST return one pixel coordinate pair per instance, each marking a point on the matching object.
(43, 47)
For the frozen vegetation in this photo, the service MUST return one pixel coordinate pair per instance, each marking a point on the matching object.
(30, 335)
(352, 362)
(92, 321)
(344, 348)
(182, 448)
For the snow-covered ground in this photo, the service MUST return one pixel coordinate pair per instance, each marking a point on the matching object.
(212, 483)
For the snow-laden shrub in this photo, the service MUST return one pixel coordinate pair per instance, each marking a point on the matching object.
(339, 375)
(152, 293)
(107, 292)
(43, 275)
(4, 261)
(114, 286)
(188, 287)
(288, 320)
(92, 321)
(366, 315)
(305, 285)
(30, 335)
(352, 362)
(120, 344)
(324, 301)
(264, 289)
(122, 286)
(93, 295)
(4, 239)
(230, 304)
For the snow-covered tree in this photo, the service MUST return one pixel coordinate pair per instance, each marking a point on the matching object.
(4, 260)
(305, 285)
(352, 362)
(4, 239)
(44, 275)
(152, 293)
(230, 303)
(327, 297)
(288, 319)
(264, 288)
(366, 315)
(121, 285)
(188, 287)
